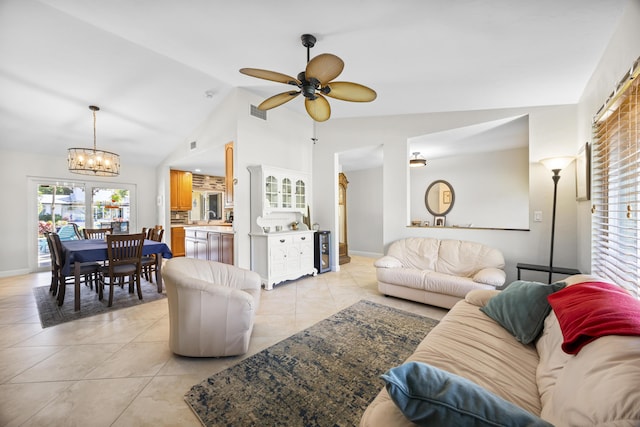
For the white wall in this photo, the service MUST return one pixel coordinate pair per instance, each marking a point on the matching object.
(364, 212)
(491, 189)
(622, 51)
(18, 253)
(283, 140)
(219, 128)
(552, 131)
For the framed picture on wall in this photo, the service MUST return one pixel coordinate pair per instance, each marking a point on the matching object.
(439, 221)
(583, 173)
(446, 197)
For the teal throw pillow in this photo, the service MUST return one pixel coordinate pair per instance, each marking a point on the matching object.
(521, 308)
(429, 396)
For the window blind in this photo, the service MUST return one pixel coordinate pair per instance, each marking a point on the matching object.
(616, 187)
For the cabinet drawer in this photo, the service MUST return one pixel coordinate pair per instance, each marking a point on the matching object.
(306, 238)
(280, 240)
(195, 234)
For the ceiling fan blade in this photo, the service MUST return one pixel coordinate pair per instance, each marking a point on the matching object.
(324, 68)
(348, 91)
(270, 75)
(319, 108)
(277, 100)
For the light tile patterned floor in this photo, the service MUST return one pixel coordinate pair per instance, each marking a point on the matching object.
(116, 369)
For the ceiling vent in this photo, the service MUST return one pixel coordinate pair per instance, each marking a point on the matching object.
(193, 145)
(261, 114)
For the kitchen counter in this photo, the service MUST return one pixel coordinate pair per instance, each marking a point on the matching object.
(212, 228)
(279, 233)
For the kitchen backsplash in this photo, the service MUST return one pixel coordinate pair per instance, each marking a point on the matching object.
(201, 183)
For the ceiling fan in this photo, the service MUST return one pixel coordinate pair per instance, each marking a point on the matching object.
(314, 83)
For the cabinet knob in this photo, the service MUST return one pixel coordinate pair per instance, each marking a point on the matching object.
(302, 238)
(281, 240)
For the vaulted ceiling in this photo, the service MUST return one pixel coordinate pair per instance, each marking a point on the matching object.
(157, 68)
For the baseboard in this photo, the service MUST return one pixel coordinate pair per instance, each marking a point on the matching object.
(366, 254)
(10, 273)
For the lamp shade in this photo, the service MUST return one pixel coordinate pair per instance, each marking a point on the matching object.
(556, 163)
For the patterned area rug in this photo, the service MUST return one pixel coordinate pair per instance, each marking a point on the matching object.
(51, 314)
(325, 375)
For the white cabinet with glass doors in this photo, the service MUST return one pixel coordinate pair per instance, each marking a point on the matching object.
(282, 190)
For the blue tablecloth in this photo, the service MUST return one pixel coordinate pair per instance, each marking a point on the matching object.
(96, 250)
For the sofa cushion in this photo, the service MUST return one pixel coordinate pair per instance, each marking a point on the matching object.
(463, 258)
(552, 358)
(490, 276)
(548, 346)
(429, 396)
(572, 387)
(598, 386)
(470, 344)
(590, 310)
(416, 252)
(522, 308)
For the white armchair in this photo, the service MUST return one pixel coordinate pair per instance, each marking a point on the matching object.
(212, 307)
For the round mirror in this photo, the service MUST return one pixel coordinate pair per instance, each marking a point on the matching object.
(439, 197)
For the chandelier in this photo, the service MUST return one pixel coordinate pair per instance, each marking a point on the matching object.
(87, 161)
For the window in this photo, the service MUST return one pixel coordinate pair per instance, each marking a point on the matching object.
(616, 186)
(110, 208)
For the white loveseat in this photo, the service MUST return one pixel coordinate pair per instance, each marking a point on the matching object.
(598, 386)
(212, 307)
(438, 272)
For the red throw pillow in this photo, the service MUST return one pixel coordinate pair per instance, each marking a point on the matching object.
(590, 310)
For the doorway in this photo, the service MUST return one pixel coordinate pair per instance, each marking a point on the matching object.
(55, 205)
(58, 206)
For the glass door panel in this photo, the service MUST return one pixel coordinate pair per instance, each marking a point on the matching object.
(111, 208)
(271, 191)
(58, 207)
(286, 193)
(300, 195)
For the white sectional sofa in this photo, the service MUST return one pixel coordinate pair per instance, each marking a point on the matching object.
(597, 386)
(438, 272)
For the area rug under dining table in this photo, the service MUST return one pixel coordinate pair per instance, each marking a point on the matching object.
(51, 314)
(325, 375)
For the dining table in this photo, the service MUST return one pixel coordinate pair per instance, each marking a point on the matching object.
(78, 252)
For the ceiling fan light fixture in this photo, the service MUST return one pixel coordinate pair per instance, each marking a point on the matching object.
(417, 161)
(314, 82)
(91, 161)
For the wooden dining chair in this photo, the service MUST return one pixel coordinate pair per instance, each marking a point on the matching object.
(124, 255)
(53, 287)
(96, 233)
(88, 271)
(149, 264)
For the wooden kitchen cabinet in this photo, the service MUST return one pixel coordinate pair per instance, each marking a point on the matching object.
(228, 175)
(177, 241)
(209, 245)
(195, 244)
(181, 187)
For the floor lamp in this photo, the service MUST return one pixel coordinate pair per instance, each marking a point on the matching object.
(555, 165)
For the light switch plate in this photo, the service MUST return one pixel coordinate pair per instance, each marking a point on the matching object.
(537, 216)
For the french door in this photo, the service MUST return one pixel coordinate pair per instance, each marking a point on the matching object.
(56, 205)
